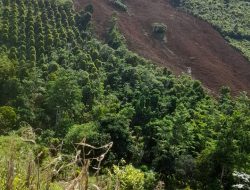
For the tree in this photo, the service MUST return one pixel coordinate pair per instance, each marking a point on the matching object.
(115, 39)
(90, 131)
(7, 68)
(115, 122)
(8, 119)
(64, 96)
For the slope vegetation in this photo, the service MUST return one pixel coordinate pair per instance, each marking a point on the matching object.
(60, 86)
(230, 18)
(190, 42)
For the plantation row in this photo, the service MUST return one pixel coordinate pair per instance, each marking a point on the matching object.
(31, 29)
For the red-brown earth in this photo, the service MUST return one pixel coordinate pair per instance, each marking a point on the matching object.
(191, 42)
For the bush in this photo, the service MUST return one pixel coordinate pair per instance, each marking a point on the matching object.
(88, 130)
(159, 30)
(129, 178)
(150, 180)
(119, 4)
(114, 38)
(89, 8)
(8, 119)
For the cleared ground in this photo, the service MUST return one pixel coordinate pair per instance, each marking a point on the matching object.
(190, 42)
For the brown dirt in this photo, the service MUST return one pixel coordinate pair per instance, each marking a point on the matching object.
(190, 42)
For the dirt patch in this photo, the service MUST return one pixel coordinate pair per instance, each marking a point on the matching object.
(190, 42)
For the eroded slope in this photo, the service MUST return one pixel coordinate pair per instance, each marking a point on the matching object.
(190, 42)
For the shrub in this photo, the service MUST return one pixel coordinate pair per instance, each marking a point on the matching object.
(129, 178)
(89, 8)
(119, 5)
(8, 119)
(114, 38)
(150, 180)
(88, 130)
(159, 30)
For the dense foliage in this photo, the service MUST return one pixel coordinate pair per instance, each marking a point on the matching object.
(230, 17)
(57, 79)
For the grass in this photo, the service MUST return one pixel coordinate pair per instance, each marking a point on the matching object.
(25, 165)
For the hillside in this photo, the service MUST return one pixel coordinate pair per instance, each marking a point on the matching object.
(80, 112)
(230, 18)
(190, 42)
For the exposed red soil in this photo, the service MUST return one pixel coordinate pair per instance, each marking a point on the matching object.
(190, 42)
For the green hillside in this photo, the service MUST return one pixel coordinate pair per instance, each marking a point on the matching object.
(77, 113)
(230, 17)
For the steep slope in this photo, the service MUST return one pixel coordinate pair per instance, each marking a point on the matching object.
(230, 18)
(190, 42)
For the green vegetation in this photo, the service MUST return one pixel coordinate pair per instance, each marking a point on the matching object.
(61, 86)
(132, 178)
(230, 17)
(159, 31)
(114, 38)
(13, 147)
(119, 4)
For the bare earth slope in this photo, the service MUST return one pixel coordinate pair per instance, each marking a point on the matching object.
(190, 42)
